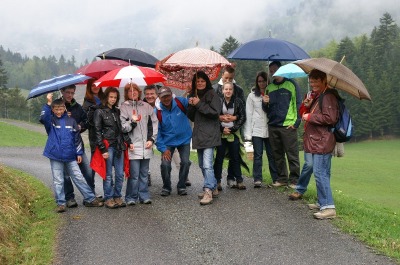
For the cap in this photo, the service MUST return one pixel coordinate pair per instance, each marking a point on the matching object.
(164, 91)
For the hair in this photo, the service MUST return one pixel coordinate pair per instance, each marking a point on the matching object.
(257, 90)
(317, 74)
(69, 87)
(227, 83)
(202, 75)
(132, 86)
(277, 63)
(58, 103)
(149, 87)
(229, 69)
(89, 94)
(109, 90)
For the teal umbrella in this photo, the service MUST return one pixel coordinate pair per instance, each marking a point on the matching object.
(290, 71)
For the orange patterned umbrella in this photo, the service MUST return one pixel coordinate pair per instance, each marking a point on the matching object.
(179, 67)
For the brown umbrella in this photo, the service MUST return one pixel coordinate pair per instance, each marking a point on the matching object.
(339, 76)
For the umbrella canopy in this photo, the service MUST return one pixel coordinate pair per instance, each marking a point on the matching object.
(268, 49)
(130, 55)
(56, 83)
(179, 67)
(99, 68)
(339, 76)
(142, 76)
(290, 71)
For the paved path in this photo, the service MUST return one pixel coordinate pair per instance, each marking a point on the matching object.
(255, 226)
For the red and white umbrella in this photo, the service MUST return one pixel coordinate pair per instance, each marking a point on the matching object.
(97, 69)
(142, 76)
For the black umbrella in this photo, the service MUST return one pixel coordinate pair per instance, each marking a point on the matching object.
(131, 55)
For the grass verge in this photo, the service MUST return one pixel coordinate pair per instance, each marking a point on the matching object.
(28, 223)
(13, 136)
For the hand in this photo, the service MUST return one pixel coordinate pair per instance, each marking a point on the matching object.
(149, 144)
(305, 116)
(230, 117)
(266, 99)
(49, 98)
(79, 159)
(131, 147)
(167, 155)
(291, 127)
(226, 131)
(105, 155)
(193, 101)
(307, 102)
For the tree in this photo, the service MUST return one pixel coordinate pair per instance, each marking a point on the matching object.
(228, 46)
(3, 75)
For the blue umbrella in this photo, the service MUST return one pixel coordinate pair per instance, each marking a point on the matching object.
(56, 83)
(290, 71)
(269, 49)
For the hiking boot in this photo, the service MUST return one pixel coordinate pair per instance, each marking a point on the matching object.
(110, 203)
(207, 198)
(149, 179)
(257, 184)
(313, 206)
(95, 203)
(325, 214)
(215, 194)
(60, 208)
(295, 196)
(241, 186)
(120, 202)
(72, 203)
(182, 192)
(219, 186)
(165, 193)
(188, 183)
(278, 184)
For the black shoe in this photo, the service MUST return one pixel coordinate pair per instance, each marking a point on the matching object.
(165, 193)
(182, 192)
(72, 203)
(188, 183)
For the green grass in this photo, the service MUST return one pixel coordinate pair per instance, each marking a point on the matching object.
(28, 223)
(18, 137)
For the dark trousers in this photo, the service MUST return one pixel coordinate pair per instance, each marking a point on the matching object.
(258, 145)
(234, 170)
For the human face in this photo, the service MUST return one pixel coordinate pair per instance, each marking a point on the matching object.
(166, 101)
(227, 77)
(112, 99)
(262, 83)
(133, 94)
(68, 94)
(95, 90)
(150, 96)
(227, 90)
(317, 85)
(201, 83)
(58, 111)
(272, 70)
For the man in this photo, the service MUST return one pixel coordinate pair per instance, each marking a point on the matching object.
(76, 111)
(174, 132)
(281, 102)
(228, 75)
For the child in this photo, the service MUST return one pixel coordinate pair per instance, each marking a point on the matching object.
(64, 149)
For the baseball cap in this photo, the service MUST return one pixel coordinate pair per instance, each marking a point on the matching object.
(164, 91)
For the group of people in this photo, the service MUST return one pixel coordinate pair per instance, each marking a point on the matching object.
(214, 120)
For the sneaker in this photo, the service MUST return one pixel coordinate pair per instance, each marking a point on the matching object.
(313, 206)
(231, 184)
(325, 214)
(148, 201)
(165, 193)
(257, 184)
(60, 208)
(241, 186)
(215, 194)
(131, 203)
(295, 196)
(110, 203)
(98, 196)
(219, 186)
(182, 192)
(72, 203)
(207, 198)
(278, 184)
(188, 183)
(149, 179)
(120, 202)
(95, 203)
(293, 186)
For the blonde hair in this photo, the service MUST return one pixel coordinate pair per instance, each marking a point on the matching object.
(132, 86)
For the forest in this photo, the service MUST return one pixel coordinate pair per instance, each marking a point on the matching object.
(373, 57)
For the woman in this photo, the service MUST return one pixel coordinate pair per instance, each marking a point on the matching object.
(111, 142)
(256, 129)
(232, 117)
(203, 110)
(139, 120)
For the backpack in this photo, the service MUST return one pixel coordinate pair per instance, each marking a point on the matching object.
(343, 129)
(180, 105)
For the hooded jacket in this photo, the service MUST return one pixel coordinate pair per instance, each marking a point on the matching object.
(257, 120)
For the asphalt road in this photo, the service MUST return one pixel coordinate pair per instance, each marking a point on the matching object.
(254, 226)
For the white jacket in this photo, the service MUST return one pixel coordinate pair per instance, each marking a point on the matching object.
(256, 119)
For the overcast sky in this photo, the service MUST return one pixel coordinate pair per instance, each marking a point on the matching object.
(163, 26)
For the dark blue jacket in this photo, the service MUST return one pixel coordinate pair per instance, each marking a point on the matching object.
(64, 142)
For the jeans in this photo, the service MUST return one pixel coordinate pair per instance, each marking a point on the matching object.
(111, 189)
(322, 173)
(284, 142)
(234, 170)
(86, 171)
(205, 157)
(258, 146)
(184, 152)
(137, 188)
(306, 172)
(57, 169)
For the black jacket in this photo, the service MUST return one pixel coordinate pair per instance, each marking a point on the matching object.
(239, 111)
